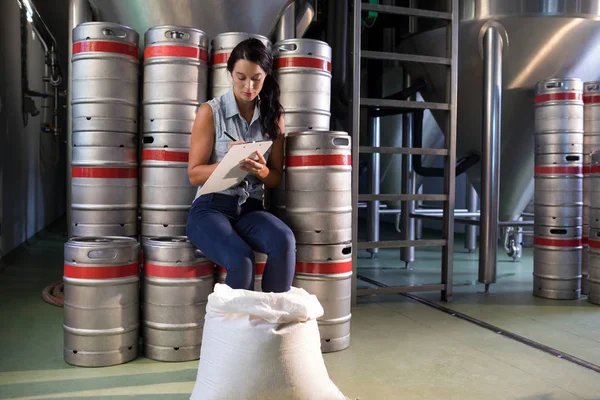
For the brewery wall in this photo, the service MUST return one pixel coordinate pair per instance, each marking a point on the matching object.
(32, 163)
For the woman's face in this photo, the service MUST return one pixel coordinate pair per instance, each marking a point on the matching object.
(248, 79)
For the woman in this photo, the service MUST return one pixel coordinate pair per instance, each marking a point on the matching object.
(229, 226)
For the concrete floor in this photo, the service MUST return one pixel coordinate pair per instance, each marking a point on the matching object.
(400, 349)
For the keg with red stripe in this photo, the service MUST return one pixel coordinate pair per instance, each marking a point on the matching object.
(318, 187)
(559, 105)
(303, 69)
(326, 272)
(557, 262)
(558, 190)
(177, 282)
(591, 143)
(167, 193)
(221, 47)
(593, 278)
(105, 77)
(101, 306)
(104, 191)
(594, 191)
(593, 264)
(175, 78)
(260, 261)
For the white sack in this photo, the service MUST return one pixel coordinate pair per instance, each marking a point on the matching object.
(262, 346)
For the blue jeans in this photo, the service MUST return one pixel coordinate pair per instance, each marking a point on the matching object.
(228, 235)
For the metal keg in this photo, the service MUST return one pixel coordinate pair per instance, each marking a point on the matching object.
(97, 115)
(559, 142)
(175, 78)
(104, 139)
(584, 257)
(326, 272)
(303, 69)
(559, 105)
(318, 186)
(260, 262)
(177, 282)
(557, 262)
(593, 279)
(167, 193)
(105, 77)
(221, 47)
(104, 191)
(558, 190)
(277, 198)
(101, 307)
(594, 192)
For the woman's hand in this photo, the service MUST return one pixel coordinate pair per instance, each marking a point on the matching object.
(256, 167)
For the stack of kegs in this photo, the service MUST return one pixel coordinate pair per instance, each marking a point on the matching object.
(104, 165)
(558, 188)
(318, 205)
(591, 143)
(594, 235)
(302, 67)
(175, 84)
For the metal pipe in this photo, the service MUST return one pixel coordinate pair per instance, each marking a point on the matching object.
(353, 122)
(374, 183)
(463, 214)
(490, 168)
(467, 219)
(441, 211)
(286, 27)
(471, 230)
(418, 222)
(407, 254)
(79, 11)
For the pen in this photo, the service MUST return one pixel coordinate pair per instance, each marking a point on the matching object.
(229, 136)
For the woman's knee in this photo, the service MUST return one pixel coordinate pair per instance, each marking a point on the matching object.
(239, 264)
(241, 259)
(283, 239)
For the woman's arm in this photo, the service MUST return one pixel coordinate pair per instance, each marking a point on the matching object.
(201, 146)
(270, 172)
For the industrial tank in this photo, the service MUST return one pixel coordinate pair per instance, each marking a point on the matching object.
(542, 39)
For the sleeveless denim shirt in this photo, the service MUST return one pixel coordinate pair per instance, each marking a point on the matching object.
(227, 118)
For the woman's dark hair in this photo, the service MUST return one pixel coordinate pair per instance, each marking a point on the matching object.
(254, 50)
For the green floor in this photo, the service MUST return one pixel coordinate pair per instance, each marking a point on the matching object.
(400, 349)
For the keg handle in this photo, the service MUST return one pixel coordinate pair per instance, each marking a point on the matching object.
(179, 35)
(287, 47)
(558, 231)
(105, 254)
(340, 141)
(593, 86)
(116, 33)
(597, 233)
(553, 85)
(572, 158)
(347, 250)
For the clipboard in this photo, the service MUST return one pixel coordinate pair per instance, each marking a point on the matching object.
(228, 173)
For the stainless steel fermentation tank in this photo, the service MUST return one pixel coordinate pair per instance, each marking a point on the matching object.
(541, 39)
(515, 44)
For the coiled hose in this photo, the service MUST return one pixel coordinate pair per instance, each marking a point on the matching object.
(54, 294)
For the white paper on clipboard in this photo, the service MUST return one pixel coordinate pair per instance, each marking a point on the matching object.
(228, 173)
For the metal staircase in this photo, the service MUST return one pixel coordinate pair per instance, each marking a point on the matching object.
(404, 103)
